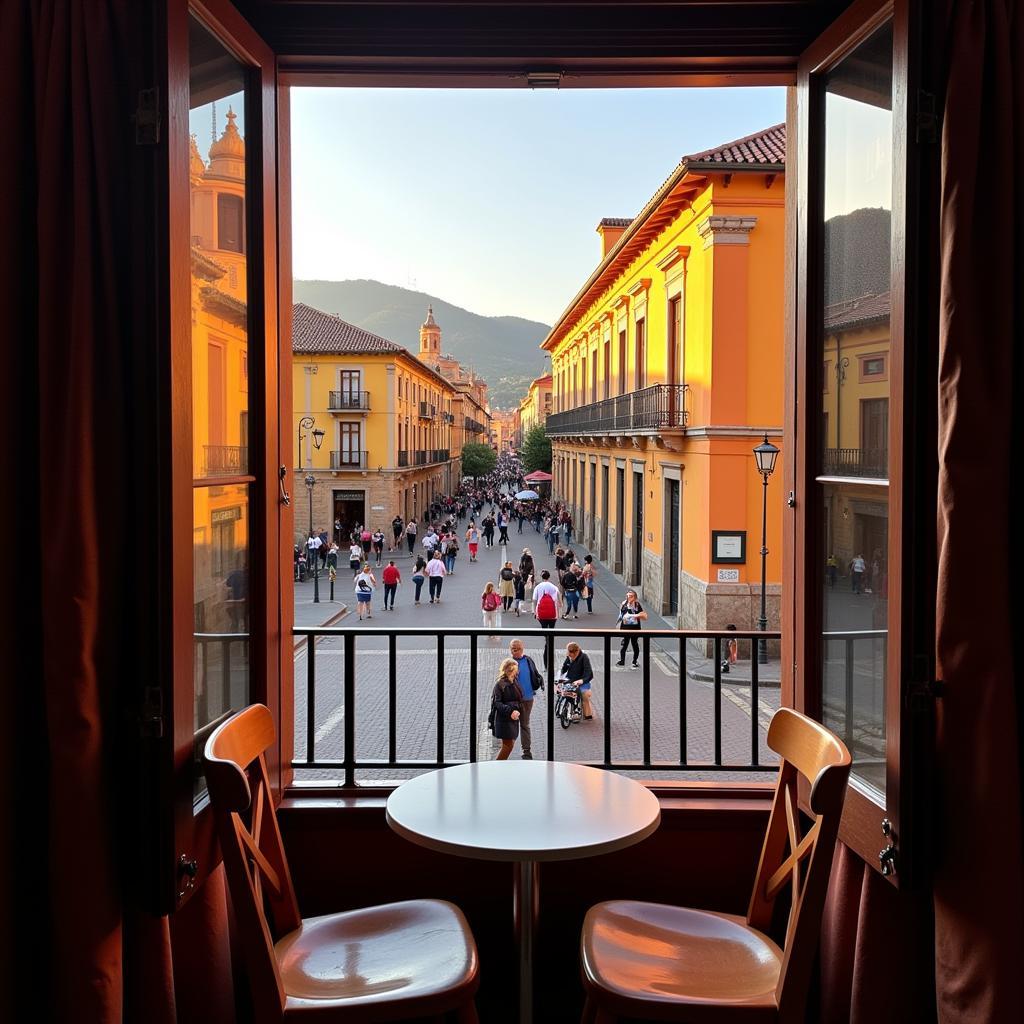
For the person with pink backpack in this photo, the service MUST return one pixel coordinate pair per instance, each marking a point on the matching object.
(490, 602)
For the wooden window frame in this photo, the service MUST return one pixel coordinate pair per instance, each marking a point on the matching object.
(911, 492)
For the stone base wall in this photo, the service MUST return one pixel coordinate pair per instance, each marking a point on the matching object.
(717, 605)
(653, 581)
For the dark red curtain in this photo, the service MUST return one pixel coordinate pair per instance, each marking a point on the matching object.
(979, 874)
(79, 405)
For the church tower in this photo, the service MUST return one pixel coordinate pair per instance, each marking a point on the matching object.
(430, 339)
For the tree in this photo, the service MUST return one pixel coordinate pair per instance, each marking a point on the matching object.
(478, 460)
(536, 450)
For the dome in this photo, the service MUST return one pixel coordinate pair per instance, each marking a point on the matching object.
(430, 321)
(230, 145)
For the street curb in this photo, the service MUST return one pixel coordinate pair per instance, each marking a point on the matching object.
(343, 610)
(728, 677)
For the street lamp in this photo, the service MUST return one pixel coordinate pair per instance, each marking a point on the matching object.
(765, 455)
(318, 439)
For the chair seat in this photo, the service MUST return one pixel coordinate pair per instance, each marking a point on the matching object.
(404, 959)
(656, 960)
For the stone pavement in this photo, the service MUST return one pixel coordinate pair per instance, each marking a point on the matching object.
(416, 682)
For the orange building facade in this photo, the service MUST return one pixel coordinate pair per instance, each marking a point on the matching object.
(667, 370)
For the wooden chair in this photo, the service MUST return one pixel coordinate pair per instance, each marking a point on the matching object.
(396, 962)
(651, 961)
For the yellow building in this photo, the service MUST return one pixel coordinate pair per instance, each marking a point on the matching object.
(220, 382)
(667, 370)
(387, 422)
(502, 429)
(536, 406)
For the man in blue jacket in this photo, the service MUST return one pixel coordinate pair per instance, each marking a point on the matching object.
(530, 681)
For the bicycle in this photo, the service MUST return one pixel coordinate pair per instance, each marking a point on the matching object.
(568, 704)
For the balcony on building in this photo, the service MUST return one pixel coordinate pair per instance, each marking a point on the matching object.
(349, 460)
(474, 426)
(857, 462)
(427, 411)
(425, 457)
(660, 408)
(349, 401)
(225, 459)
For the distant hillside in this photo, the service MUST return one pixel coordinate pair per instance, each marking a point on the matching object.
(502, 349)
(857, 254)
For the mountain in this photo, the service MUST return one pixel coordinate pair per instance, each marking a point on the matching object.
(502, 349)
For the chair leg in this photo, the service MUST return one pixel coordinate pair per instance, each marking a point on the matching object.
(589, 1011)
(466, 1014)
(604, 1017)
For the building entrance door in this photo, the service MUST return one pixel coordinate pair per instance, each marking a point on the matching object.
(672, 513)
(349, 512)
(620, 516)
(638, 528)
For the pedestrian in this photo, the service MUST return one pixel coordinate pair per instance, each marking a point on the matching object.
(473, 540)
(313, 543)
(506, 586)
(502, 527)
(571, 584)
(568, 529)
(546, 601)
(355, 558)
(589, 575)
(397, 528)
(832, 566)
(506, 708)
(577, 669)
(560, 563)
(857, 567)
(332, 555)
(435, 574)
(366, 540)
(530, 682)
(365, 584)
(526, 565)
(392, 578)
(519, 586)
(430, 541)
(419, 574)
(451, 551)
(488, 527)
(490, 602)
(410, 535)
(378, 544)
(631, 614)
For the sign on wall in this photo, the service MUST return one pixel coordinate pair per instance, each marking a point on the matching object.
(728, 575)
(728, 546)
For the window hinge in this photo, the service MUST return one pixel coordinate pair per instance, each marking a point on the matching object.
(151, 718)
(927, 120)
(147, 117)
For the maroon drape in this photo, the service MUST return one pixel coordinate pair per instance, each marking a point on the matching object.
(77, 247)
(979, 877)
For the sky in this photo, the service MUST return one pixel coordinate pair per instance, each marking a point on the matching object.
(489, 199)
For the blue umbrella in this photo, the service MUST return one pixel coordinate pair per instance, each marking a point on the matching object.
(527, 496)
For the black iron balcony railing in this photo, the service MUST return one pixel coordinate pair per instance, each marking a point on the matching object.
(474, 426)
(225, 459)
(425, 457)
(439, 455)
(349, 460)
(403, 460)
(427, 411)
(369, 693)
(347, 401)
(862, 462)
(657, 408)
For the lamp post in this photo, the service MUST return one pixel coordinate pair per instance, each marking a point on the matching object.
(765, 455)
(318, 439)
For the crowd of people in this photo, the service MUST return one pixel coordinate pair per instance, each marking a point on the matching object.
(481, 515)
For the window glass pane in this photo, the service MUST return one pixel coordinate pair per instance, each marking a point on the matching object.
(856, 274)
(220, 558)
(217, 177)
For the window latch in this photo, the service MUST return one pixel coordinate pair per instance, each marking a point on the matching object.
(887, 856)
(286, 498)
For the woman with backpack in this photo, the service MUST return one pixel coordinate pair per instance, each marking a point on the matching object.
(451, 549)
(365, 584)
(506, 586)
(589, 575)
(378, 544)
(572, 583)
(490, 602)
(473, 540)
(419, 574)
(506, 707)
(526, 566)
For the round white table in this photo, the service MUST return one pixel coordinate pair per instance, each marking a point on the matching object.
(525, 812)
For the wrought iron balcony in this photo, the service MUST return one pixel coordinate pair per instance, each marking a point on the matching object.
(225, 460)
(427, 411)
(658, 408)
(403, 460)
(426, 457)
(349, 401)
(349, 460)
(857, 462)
(474, 426)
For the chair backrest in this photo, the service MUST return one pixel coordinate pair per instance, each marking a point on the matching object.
(797, 858)
(257, 870)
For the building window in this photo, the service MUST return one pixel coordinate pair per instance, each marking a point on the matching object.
(872, 367)
(675, 340)
(607, 367)
(641, 357)
(622, 362)
(230, 223)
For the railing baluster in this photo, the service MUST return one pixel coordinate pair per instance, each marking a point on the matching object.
(392, 697)
(848, 711)
(440, 698)
(350, 709)
(718, 698)
(549, 649)
(608, 700)
(682, 700)
(204, 700)
(311, 698)
(225, 676)
(754, 730)
(472, 697)
(647, 698)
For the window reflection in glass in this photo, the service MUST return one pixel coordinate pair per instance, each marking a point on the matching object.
(854, 448)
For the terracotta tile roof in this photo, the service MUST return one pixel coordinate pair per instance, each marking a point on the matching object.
(854, 312)
(316, 331)
(615, 222)
(766, 148)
